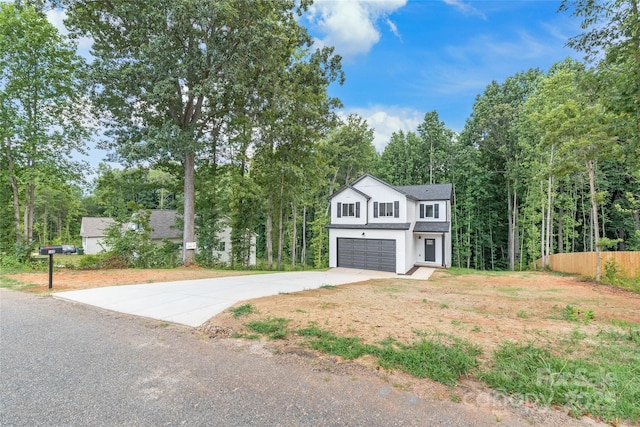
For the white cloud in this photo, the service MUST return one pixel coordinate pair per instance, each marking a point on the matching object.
(465, 8)
(350, 25)
(385, 120)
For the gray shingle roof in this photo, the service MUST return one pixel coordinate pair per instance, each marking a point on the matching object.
(94, 226)
(427, 191)
(431, 227)
(374, 226)
(163, 223)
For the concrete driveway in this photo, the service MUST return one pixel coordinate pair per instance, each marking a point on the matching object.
(193, 302)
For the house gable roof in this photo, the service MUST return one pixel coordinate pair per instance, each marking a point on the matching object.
(415, 192)
(349, 187)
(94, 226)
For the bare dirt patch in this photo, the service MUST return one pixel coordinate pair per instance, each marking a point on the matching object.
(485, 309)
(66, 279)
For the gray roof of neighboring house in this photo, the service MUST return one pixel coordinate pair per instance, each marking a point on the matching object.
(374, 226)
(163, 224)
(94, 226)
(416, 192)
(431, 227)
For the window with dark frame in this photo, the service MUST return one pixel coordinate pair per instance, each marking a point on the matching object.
(385, 209)
(348, 209)
(429, 211)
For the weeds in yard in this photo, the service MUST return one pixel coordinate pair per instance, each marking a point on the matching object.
(242, 310)
(328, 287)
(573, 314)
(273, 327)
(444, 359)
(602, 386)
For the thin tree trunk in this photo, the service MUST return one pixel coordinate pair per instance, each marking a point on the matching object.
(455, 225)
(32, 209)
(542, 227)
(189, 231)
(594, 213)
(280, 222)
(16, 207)
(294, 244)
(560, 222)
(270, 234)
(510, 242)
(303, 252)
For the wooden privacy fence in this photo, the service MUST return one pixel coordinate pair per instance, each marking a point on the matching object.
(584, 263)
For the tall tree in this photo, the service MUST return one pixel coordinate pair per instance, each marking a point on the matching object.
(168, 72)
(42, 100)
(494, 130)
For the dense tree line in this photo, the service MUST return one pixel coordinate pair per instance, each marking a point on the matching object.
(220, 110)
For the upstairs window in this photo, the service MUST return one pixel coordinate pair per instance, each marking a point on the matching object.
(348, 210)
(386, 209)
(429, 211)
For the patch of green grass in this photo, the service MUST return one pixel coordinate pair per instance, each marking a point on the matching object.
(242, 310)
(523, 314)
(328, 287)
(15, 285)
(442, 359)
(327, 342)
(624, 323)
(444, 305)
(600, 386)
(273, 327)
(436, 359)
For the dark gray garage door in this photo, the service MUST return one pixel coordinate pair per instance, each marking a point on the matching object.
(368, 254)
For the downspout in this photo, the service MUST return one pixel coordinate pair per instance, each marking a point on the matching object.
(444, 264)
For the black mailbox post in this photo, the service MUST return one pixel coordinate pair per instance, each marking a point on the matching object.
(49, 250)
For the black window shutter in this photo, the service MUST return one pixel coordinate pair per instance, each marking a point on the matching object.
(421, 210)
(357, 209)
(339, 209)
(375, 209)
(436, 208)
(396, 209)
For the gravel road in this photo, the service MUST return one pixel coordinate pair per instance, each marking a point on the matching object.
(68, 364)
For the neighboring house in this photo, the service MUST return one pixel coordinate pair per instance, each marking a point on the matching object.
(93, 232)
(163, 225)
(223, 251)
(377, 226)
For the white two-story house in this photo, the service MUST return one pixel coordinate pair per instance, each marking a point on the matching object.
(377, 226)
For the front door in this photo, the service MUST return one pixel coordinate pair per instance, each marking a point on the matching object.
(430, 250)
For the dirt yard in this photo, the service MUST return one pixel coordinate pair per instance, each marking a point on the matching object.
(485, 309)
(64, 279)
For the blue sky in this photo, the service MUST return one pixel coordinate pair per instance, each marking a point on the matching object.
(403, 58)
